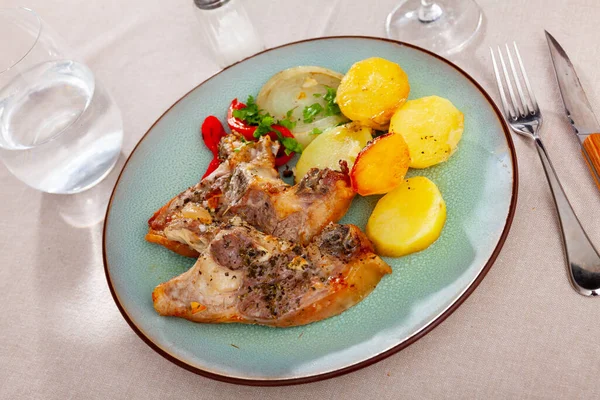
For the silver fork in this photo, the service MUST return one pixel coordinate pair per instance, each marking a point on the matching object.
(525, 118)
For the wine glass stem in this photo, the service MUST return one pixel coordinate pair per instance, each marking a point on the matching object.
(429, 11)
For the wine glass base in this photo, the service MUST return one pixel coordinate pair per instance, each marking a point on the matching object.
(449, 33)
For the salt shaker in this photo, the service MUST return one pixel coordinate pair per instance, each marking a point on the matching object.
(227, 29)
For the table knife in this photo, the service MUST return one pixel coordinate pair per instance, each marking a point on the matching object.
(578, 109)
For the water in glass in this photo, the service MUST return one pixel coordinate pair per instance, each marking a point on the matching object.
(60, 132)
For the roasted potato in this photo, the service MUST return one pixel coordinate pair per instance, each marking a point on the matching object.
(381, 165)
(327, 149)
(407, 219)
(431, 127)
(371, 91)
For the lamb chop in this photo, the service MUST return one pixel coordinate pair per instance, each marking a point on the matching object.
(247, 185)
(246, 276)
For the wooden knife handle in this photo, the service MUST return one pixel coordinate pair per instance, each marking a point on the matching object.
(591, 148)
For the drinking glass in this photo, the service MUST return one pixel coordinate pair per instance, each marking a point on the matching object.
(60, 131)
(442, 26)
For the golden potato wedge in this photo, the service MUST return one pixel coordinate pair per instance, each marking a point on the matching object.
(372, 90)
(431, 127)
(407, 219)
(327, 149)
(381, 165)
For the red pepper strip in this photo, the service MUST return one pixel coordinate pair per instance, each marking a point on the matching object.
(281, 158)
(214, 164)
(237, 124)
(212, 133)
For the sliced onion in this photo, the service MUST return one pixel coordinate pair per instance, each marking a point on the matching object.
(294, 88)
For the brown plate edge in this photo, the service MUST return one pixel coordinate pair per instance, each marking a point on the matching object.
(433, 324)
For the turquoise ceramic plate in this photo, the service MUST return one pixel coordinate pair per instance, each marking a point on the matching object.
(478, 183)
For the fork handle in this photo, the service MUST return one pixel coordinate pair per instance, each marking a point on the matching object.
(591, 152)
(582, 258)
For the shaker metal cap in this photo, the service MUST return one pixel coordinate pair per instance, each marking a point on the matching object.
(209, 4)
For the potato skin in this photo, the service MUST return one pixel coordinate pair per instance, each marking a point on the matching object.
(431, 126)
(407, 219)
(372, 90)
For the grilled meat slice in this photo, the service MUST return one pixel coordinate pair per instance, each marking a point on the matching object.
(209, 193)
(246, 184)
(298, 212)
(250, 277)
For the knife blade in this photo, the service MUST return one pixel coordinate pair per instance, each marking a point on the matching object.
(577, 107)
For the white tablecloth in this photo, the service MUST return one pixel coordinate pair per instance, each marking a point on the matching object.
(524, 333)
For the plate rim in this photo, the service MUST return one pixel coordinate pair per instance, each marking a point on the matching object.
(377, 357)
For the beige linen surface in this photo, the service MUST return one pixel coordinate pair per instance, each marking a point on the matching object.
(524, 333)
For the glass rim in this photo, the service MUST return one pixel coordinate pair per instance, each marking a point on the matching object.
(35, 41)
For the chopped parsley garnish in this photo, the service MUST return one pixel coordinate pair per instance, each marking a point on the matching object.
(290, 144)
(310, 112)
(330, 95)
(251, 113)
(331, 107)
(264, 126)
(287, 121)
(264, 122)
(316, 131)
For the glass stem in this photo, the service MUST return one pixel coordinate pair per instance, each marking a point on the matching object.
(429, 11)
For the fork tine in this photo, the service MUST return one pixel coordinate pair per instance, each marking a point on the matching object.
(507, 109)
(511, 92)
(524, 101)
(529, 89)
